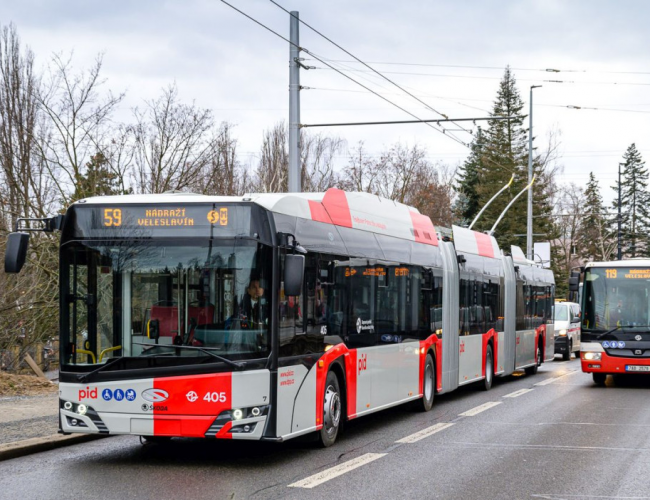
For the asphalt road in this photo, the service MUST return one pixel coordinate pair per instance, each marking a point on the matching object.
(553, 435)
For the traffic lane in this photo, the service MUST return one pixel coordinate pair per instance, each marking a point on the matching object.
(547, 446)
(238, 468)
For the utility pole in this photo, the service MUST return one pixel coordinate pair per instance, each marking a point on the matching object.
(294, 104)
(620, 250)
(529, 223)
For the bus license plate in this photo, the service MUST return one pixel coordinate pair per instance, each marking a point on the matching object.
(633, 368)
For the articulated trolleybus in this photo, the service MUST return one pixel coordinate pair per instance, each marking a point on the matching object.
(616, 318)
(270, 316)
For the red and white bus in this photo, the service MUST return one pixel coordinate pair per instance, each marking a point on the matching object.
(616, 318)
(270, 316)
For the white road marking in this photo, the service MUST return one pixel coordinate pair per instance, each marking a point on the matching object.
(339, 470)
(555, 379)
(479, 409)
(516, 394)
(424, 433)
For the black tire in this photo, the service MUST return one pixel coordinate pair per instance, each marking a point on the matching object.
(332, 411)
(532, 370)
(566, 356)
(489, 369)
(428, 385)
(599, 378)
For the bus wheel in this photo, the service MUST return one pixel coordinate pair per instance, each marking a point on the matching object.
(566, 356)
(428, 385)
(532, 370)
(599, 378)
(489, 370)
(332, 409)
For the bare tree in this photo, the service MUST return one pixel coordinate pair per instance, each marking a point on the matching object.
(173, 144)
(361, 173)
(24, 190)
(272, 173)
(318, 155)
(79, 116)
(224, 175)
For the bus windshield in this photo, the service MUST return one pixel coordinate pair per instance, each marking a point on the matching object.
(616, 297)
(164, 298)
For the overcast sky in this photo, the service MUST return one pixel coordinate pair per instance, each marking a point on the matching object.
(227, 63)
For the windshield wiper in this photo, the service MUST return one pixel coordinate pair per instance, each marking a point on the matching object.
(85, 376)
(611, 331)
(235, 364)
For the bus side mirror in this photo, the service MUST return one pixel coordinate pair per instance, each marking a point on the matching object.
(574, 282)
(16, 252)
(294, 269)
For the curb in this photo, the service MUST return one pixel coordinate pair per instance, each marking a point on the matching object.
(37, 445)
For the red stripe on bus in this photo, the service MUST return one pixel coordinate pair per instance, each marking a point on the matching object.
(484, 244)
(423, 229)
(432, 340)
(192, 404)
(318, 212)
(486, 337)
(322, 369)
(351, 382)
(336, 204)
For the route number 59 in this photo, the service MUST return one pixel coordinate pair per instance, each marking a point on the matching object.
(112, 217)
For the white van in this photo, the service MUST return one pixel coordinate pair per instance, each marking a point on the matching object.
(567, 329)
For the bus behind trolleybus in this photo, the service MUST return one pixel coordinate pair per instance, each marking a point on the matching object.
(615, 318)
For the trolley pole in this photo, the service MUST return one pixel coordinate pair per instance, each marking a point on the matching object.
(620, 251)
(529, 222)
(294, 104)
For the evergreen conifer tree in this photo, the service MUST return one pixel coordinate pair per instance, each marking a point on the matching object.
(467, 203)
(594, 238)
(97, 180)
(635, 201)
(504, 152)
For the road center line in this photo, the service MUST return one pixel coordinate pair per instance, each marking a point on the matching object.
(518, 393)
(479, 409)
(339, 470)
(424, 433)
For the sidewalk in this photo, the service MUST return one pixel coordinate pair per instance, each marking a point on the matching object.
(29, 424)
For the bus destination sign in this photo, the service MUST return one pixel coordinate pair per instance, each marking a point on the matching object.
(628, 274)
(147, 221)
(161, 217)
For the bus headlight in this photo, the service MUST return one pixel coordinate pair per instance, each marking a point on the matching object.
(562, 333)
(592, 356)
(81, 409)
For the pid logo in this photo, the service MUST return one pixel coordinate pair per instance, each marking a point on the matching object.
(88, 393)
(363, 363)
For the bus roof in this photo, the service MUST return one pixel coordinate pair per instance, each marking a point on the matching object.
(363, 211)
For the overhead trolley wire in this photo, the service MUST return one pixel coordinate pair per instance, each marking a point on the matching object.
(451, 136)
(367, 66)
(341, 73)
(543, 70)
